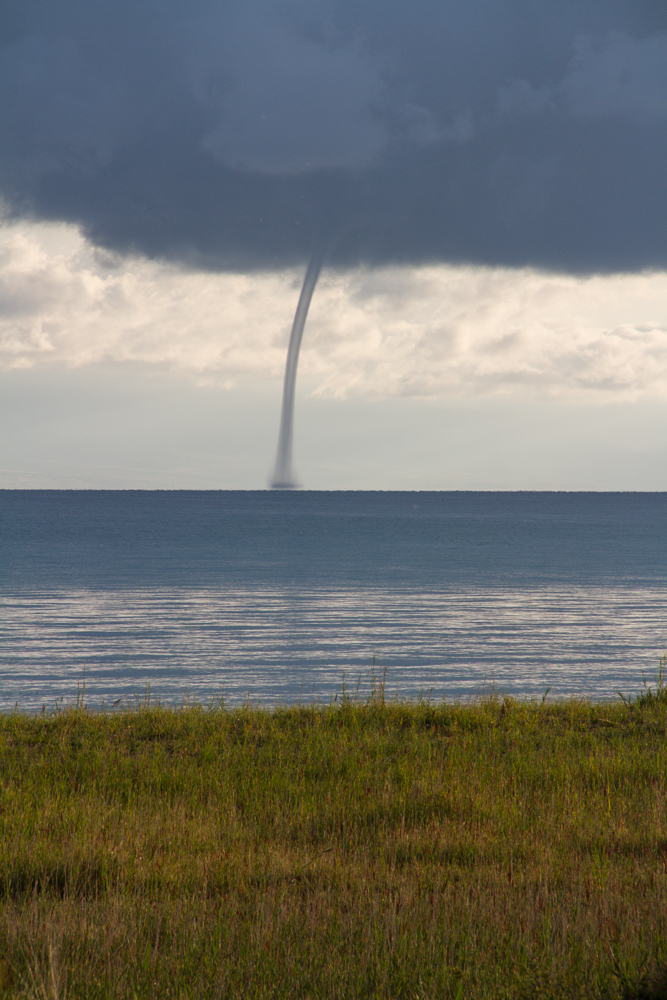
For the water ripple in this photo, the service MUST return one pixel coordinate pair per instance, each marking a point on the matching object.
(282, 644)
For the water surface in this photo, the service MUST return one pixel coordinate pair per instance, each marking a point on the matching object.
(281, 595)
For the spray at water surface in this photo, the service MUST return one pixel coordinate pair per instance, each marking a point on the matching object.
(283, 476)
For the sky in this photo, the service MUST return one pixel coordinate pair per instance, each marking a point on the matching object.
(488, 178)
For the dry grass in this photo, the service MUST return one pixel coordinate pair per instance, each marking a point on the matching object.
(375, 850)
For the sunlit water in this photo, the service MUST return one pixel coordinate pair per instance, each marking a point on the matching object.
(281, 596)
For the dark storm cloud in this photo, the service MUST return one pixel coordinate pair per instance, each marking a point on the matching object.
(233, 134)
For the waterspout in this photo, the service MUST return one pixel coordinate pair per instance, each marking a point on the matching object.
(283, 475)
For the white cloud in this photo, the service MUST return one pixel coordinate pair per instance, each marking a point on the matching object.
(424, 332)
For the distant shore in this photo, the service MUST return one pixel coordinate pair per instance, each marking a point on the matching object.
(369, 849)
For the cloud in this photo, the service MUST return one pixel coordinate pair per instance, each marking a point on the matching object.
(618, 76)
(76, 307)
(229, 136)
(614, 76)
(433, 331)
(443, 331)
(292, 104)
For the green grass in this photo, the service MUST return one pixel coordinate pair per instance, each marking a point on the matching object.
(376, 850)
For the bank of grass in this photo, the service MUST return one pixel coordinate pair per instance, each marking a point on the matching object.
(366, 849)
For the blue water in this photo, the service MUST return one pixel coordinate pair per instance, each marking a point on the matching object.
(281, 596)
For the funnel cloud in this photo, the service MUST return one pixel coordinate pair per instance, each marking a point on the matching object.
(283, 476)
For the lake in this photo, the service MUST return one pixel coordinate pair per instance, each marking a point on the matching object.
(281, 596)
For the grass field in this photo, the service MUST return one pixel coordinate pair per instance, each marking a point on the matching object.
(366, 849)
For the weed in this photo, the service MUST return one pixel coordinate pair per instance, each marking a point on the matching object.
(649, 698)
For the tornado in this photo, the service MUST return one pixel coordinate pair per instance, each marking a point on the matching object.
(283, 475)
